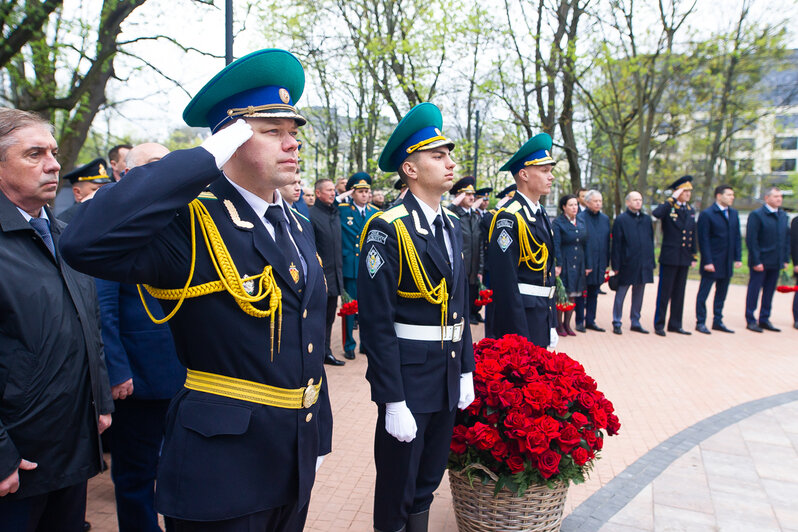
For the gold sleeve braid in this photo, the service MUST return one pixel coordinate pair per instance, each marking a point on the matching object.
(534, 260)
(229, 278)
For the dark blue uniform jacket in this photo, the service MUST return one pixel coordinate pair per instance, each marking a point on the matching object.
(719, 241)
(221, 457)
(425, 374)
(767, 237)
(678, 233)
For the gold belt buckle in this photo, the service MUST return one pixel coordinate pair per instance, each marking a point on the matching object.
(310, 396)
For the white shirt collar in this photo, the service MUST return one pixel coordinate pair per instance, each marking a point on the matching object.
(429, 214)
(42, 214)
(535, 206)
(361, 210)
(721, 207)
(258, 204)
(771, 209)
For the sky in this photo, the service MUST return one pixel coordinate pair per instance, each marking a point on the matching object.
(152, 106)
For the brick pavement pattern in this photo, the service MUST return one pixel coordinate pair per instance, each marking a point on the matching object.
(659, 386)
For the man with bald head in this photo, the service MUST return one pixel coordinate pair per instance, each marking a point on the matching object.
(146, 153)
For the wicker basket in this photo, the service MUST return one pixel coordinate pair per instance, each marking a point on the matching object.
(477, 510)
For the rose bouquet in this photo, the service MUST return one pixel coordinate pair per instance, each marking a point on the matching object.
(785, 283)
(564, 303)
(348, 308)
(537, 418)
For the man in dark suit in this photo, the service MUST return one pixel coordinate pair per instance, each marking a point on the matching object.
(327, 229)
(353, 217)
(632, 257)
(768, 240)
(521, 250)
(720, 244)
(597, 258)
(472, 239)
(145, 374)
(677, 254)
(413, 289)
(54, 394)
(239, 279)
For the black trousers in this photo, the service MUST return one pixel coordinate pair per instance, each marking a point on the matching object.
(61, 510)
(286, 518)
(591, 303)
(672, 282)
(764, 281)
(473, 294)
(332, 306)
(721, 289)
(135, 443)
(409, 473)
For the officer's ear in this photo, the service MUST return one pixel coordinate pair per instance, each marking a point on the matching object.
(408, 169)
(522, 175)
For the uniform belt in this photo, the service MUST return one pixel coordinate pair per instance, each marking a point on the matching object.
(429, 333)
(536, 290)
(254, 392)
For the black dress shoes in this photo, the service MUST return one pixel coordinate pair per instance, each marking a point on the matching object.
(703, 328)
(659, 332)
(638, 328)
(594, 327)
(580, 328)
(753, 327)
(767, 326)
(330, 360)
(721, 327)
(350, 354)
(617, 329)
(680, 331)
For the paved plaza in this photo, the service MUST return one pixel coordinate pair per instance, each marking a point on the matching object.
(709, 436)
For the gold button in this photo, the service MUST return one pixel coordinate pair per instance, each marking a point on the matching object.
(454, 316)
(452, 354)
(310, 348)
(310, 382)
(308, 417)
(305, 314)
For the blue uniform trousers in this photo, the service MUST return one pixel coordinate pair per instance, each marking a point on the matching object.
(637, 303)
(591, 302)
(766, 282)
(672, 282)
(63, 510)
(350, 285)
(135, 443)
(721, 288)
(286, 518)
(409, 473)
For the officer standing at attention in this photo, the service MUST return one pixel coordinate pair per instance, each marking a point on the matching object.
(677, 254)
(414, 290)
(236, 270)
(354, 216)
(521, 250)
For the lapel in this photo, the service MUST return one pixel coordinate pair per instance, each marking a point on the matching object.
(307, 248)
(422, 230)
(248, 222)
(457, 251)
(539, 223)
(12, 220)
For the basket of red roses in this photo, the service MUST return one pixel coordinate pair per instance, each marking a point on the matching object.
(537, 424)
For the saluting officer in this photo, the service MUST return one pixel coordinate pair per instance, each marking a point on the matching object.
(236, 270)
(354, 216)
(521, 250)
(677, 254)
(414, 290)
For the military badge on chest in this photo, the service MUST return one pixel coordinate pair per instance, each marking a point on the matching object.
(350, 220)
(292, 269)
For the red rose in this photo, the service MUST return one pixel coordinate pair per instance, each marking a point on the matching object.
(579, 419)
(587, 400)
(482, 436)
(517, 424)
(499, 450)
(580, 456)
(548, 463)
(536, 442)
(613, 425)
(516, 464)
(494, 390)
(547, 425)
(599, 418)
(511, 397)
(537, 395)
(458, 444)
(569, 438)
(590, 438)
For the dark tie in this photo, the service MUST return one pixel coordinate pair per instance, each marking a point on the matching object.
(439, 229)
(276, 216)
(42, 226)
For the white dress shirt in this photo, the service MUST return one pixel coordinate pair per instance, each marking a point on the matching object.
(430, 215)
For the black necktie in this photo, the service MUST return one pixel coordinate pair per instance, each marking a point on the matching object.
(276, 217)
(42, 226)
(439, 229)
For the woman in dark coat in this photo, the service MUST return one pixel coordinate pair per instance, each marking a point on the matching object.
(570, 240)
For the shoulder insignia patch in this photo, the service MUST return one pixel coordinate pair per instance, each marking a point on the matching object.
(293, 215)
(394, 213)
(231, 210)
(375, 235)
(420, 230)
(505, 222)
(513, 207)
(207, 194)
(374, 261)
(504, 240)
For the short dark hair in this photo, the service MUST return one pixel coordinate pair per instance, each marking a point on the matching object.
(565, 199)
(580, 189)
(113, 153)
(320, 182)
(720, 189)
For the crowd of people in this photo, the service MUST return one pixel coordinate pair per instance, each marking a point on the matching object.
(190, 297)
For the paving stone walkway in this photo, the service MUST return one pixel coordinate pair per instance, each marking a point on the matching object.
(660, 387)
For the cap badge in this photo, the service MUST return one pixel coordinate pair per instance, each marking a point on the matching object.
(102, 171)
(284, 96)
(438, 132)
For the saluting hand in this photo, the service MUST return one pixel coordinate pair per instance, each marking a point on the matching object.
(224, 143)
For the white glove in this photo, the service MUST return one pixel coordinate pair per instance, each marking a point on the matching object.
(399, 422)
(553, 338)
(466, 390)
(319, 460)
(224, 143)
